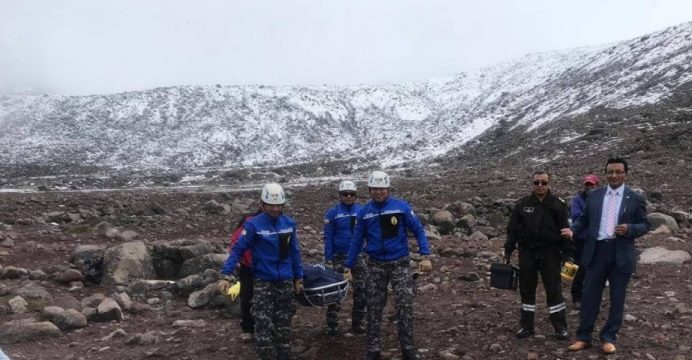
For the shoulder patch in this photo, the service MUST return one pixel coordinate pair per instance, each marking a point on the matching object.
(242, 233)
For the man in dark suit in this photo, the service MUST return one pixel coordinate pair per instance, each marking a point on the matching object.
(614, 216)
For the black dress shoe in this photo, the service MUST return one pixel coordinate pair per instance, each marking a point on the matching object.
(524, 333)
(561, 334)
(358, 329)
(372, 355)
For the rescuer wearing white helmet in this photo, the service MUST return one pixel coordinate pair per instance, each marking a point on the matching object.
(339, 222)
(277, 269)
(382, 225)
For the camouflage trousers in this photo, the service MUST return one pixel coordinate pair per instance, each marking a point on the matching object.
(359, 297)
(380, 274)
(273, 309)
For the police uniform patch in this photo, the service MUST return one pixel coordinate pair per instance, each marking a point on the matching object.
(394, 221)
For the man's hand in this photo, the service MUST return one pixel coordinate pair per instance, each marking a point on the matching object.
(425, 265)
(347, 274)
(298, 286)
(621, 230)
(225, 283)
(566, 233)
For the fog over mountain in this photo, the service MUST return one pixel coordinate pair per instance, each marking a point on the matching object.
(230, 127)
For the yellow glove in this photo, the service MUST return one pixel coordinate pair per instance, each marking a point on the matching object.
(225, 283)
(425, 265)
(347, 275)
(234, 291)
(298, 285)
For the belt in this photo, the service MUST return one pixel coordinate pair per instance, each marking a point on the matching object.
(605, 241)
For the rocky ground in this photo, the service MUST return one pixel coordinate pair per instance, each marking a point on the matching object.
(63, 248)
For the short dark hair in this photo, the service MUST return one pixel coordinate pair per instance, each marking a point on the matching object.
(616, 161)
(541, 172)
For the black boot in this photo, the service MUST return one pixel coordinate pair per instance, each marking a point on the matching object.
(409, 355)
(372, 355)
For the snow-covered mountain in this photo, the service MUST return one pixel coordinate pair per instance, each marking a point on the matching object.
(187, 127)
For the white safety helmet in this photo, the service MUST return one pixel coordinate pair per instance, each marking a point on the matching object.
(273, 194)
(378, 179)
(347, 186)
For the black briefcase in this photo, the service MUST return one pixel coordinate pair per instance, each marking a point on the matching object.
(504, 276)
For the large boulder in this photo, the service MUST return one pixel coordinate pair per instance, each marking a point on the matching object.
(658, 219)
(198, 264)
(444, 221)
(70, 319)
(127, 262)
(89, 260)
(23, 331)
(656, 255)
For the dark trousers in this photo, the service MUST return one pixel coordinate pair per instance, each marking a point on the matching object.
(272, 307)
(380, 274)
(578, 282)
(548, 263)
(247, 322)
(358, 312)
(603, 267)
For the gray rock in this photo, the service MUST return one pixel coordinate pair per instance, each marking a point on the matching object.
(93, 300)
(109, 310)
(198, 264)
(18, 305)
(198, 299)
(89, 261)
(188, 284)
(66, 302)
(213, 207)
(123, 300)
(11, 272)
(662, 255)
(118, 333)
(33, 291)
(658, 219)
(190, 323)
(50, 312)
(126, 262)
(444, 220)
(69, 276)
(17, 332)
(478, 236)
(70, 319)
(147, 338)
(126, 236)
(106, 229)
(191, 251)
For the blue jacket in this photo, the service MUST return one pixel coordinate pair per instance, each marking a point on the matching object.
(275, 248)
(576, 209)
(632, 213)
(339, 222)
(383, 228)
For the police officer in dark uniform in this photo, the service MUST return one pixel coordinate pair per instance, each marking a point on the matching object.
(535, 224)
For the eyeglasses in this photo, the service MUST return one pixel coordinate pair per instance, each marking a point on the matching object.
(614, 172)
(345, 194)
(544, 183)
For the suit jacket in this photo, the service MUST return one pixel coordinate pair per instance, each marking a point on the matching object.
(632, 213)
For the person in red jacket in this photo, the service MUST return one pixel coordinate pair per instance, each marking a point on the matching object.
(247, 322)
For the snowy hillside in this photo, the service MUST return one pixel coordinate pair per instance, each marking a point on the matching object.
(235, 126)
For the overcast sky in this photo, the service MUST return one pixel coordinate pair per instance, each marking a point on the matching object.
(105, 46)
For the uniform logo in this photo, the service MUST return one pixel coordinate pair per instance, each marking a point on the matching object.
(528, 209)
(394, 221)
